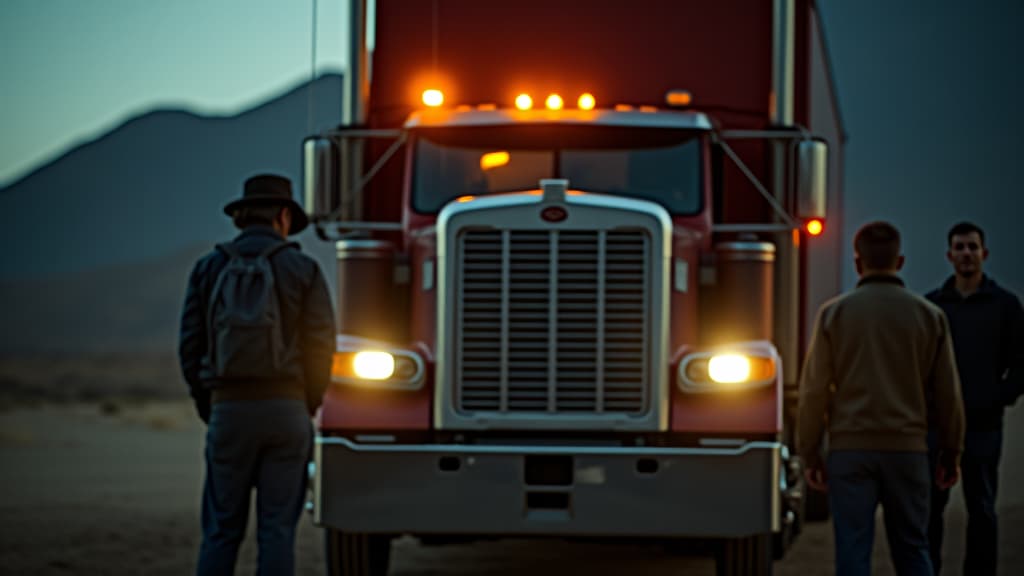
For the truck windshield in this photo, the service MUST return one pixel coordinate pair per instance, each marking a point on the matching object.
(659, 165)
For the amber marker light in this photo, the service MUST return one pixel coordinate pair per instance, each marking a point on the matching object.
(586, 101)
(815, 227)
(493, 160)
(554, 102)
(524, 102)
(678, 98)
(433, 98)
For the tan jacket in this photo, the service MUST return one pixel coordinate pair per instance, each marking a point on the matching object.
(880, 367)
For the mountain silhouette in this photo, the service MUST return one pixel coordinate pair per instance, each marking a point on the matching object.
(126, 308)
(101, 240)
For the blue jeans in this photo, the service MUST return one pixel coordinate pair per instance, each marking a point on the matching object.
(860, 480)
(261, 444)
(979, 469)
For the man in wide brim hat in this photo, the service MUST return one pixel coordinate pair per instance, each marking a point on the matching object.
(256, 345)
(268, 190)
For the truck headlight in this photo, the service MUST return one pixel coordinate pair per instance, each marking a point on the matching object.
(396, 369)
(373, 365)
(728, 370)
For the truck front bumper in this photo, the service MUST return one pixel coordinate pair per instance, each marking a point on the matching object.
(547, 490)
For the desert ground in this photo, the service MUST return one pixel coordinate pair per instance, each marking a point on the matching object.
(98, 485)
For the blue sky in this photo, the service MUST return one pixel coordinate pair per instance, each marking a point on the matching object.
(73, 69)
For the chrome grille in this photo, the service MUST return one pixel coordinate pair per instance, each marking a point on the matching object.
(553, 321)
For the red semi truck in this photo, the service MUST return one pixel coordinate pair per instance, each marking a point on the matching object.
(579, 248)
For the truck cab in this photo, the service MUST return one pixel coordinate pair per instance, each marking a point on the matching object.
(562, 314)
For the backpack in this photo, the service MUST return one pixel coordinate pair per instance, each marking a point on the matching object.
(246, 338)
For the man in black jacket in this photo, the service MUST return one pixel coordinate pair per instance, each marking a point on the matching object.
(257, 337)
(987, 324)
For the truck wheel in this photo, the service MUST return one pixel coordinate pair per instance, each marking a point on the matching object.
(354, 554)
(745, 556)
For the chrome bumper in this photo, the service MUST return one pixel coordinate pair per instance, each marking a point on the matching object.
(604, 491)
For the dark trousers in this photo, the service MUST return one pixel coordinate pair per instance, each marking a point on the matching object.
(261, 444)
(860, 480)
(979, 470)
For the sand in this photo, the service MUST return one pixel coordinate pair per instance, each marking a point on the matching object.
(113, 487)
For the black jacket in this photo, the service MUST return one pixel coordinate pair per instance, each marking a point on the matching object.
(988, 337)
(307, 320)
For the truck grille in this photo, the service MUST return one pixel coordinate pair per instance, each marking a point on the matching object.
(552, 321)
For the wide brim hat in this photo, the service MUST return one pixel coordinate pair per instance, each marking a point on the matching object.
(270, 190)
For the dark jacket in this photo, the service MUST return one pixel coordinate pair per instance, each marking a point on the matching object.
(988, 336)
(878, 354)
(307, 321)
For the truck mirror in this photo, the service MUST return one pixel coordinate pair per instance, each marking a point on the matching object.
(320, 176)
(811, 178)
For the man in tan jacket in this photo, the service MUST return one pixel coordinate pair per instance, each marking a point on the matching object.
(880, 367)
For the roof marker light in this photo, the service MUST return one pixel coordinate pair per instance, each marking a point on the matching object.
(678, 98)
(586, 101)
(554, 102)
(524, 102)
(433, 98)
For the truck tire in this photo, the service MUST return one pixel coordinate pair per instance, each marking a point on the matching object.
(354, 554)
(745, 556)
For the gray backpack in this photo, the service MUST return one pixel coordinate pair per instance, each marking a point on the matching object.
(246, 339)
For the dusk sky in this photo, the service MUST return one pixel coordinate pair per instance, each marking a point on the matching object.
(74, 69)
(930, 93)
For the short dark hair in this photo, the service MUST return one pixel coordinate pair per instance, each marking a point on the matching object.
(877, 244)
(256, 215)
(963, 229)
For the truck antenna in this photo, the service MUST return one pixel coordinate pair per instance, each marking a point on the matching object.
(312, 73)
(433, 38)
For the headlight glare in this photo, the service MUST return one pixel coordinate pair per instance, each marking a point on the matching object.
(725, 370)
(729, 368)
(373, 365)
(395, 369)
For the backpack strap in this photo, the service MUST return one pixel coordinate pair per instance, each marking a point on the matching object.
(274, 248)
(270, 251)
(229, 250)
(232, 253)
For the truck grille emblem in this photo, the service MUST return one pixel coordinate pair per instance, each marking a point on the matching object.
(554, 214)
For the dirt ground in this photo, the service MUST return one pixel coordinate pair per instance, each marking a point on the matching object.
(113, 488)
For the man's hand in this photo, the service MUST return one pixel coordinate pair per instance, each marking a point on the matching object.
(816, 478)
(946, 476)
